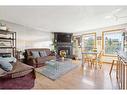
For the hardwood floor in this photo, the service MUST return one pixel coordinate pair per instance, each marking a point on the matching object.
(80, 78)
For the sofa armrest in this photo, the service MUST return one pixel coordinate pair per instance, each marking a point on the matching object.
(52, 53)
(31, 61)
(30, 57)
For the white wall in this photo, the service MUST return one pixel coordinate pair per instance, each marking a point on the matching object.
(44, 44)
(29, 37)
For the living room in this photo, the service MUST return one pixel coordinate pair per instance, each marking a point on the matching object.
(66, 47)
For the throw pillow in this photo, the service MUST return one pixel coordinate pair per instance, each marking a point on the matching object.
(10, 59)
(43, 53)
(35, 54)
(5, 65)
(48, 52)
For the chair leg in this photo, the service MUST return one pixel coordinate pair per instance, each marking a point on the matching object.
(100, 64)
(89, 61)
(92, 63)
(111, 67)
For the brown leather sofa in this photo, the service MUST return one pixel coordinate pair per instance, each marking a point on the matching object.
(39, 61)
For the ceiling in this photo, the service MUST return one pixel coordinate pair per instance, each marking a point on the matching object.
(64, 18)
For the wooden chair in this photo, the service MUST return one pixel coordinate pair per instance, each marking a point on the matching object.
(97, 59)
(87, 59)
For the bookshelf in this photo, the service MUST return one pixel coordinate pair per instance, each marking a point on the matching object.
(7, 43)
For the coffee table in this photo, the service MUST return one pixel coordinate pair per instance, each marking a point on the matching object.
(56, 64)
(56, 68)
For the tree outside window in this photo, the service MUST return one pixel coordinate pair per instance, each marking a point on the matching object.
(88, 42)
(113, 41)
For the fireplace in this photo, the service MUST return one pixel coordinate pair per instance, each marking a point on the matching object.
(63, 42)
(67, 49)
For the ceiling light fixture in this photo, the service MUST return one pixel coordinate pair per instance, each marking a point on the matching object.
(114, 15)
(116, 11)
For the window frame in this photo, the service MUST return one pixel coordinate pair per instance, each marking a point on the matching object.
(80, 39)
(92, 33)
(103, 48)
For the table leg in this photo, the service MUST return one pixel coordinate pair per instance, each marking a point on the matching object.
(82, 59)
(96, 62)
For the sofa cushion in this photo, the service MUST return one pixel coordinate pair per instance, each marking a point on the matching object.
(51, 58)
(44, 59)
(43, 53)
(35, 54)
(5, 65)
(41, 59)
(20, 69)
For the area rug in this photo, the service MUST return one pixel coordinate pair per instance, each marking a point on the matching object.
(54, 74)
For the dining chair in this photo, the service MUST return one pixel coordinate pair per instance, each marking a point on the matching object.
(97, 59)
(87, 58)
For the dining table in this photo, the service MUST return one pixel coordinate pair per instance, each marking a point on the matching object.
(89, 53)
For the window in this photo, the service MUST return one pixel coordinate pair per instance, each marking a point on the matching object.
(89, 42)
(113, 41)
